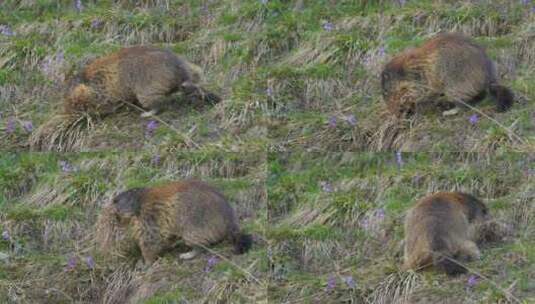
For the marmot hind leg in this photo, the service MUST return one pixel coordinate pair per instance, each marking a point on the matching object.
(154, 103)
(503, 96)
(451, 112)
(478, 98)
(190, 254)
(458, 106)
(469, 251)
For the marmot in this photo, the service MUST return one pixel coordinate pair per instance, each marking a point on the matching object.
(447, 69)
(189, 210)
(442, 227)
(143, 74)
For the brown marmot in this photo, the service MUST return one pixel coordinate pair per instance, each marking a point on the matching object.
(442, 227)
(142, 74)
(447, 69)
(189, 210)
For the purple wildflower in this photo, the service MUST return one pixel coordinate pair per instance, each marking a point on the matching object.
(46, 67)
(10, 128)
(5, 235)
(269, 92)
(28, 126)
(399, 159)
(6, 30)
(331, 283)
(326, 186)
(52, 66)
(90, 262)
(365, 223)
(78, 5)
(351, 120)
(472, 281)
(96, 23)
(151, 127)
(533, 9)
(71, 263)
(204, 9)
(372, 220)
(381, 51)
(155, 160)
(332, 122)
(474, 119)
(212, 261)
(328, 26)
(417, 18)
(402, 2)
(65, 166)
(350, 282)
(380, 213)
(526, 2)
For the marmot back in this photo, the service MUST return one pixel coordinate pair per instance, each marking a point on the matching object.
(441, 227)
(141, 74)
(446, 69)
(189, 210)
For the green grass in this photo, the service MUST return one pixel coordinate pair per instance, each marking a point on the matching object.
(50, 211)
(285, 71)
(355, 228)
(247, 48)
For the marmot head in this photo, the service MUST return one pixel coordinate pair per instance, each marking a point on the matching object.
(402, 96)
(389, 78)
(127, 204)
(193, 88)
(402, 82)
(79, 98)
(475, 209)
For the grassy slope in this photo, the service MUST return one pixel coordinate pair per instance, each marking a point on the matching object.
(50, 215)
(53, 40)
(283, 69)
(332, 71)
(352, 227)
(283, 75)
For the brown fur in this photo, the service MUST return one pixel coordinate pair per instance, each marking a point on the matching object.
(142, 74)
(441, 228)
(448, 68)
(189, 210)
